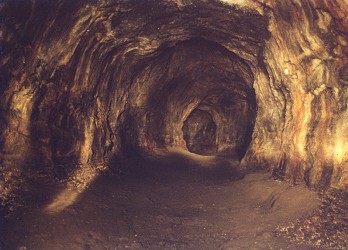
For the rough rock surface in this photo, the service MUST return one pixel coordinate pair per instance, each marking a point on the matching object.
(83, 81)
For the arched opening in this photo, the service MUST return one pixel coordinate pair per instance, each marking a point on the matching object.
(199, 131)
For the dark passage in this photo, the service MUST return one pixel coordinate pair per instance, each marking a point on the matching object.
(200, 132)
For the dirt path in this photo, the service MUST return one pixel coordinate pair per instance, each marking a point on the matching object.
(167, 208)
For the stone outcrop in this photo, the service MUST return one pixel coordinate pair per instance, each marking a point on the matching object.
(85, 81)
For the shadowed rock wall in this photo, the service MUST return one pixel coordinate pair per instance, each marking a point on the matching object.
(84, 81)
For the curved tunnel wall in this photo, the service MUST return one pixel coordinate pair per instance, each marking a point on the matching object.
(84, 81)
(191, 74)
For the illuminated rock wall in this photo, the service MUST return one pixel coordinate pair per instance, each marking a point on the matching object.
(302, 115)
(83, 82)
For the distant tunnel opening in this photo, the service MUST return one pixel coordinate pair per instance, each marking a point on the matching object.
(200, 132)
(195, 95)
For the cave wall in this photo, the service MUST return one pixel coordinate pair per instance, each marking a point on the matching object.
(302, 115)
(84, 81)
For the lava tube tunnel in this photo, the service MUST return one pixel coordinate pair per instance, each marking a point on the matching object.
(174, 124)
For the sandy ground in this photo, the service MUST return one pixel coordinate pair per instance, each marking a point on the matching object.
(180, 202)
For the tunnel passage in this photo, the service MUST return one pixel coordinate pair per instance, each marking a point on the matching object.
(123, 78)
(200, 132)
(195, 94)
(84, 81)
(234, 112)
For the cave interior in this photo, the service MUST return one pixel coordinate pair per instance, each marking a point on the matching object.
(174, 124)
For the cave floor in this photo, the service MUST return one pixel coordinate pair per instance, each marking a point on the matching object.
(166, 206)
